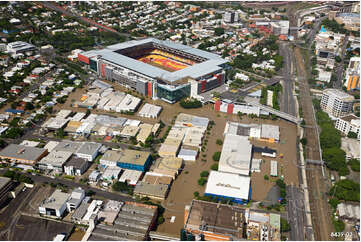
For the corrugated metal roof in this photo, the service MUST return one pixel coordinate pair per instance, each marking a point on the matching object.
(210, 65)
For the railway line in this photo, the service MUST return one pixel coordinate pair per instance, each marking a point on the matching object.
(320, 210)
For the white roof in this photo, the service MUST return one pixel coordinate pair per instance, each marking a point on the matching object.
(270, 131)
(63, 113)
(56, 200)
(111, 172)
(150, 110)
(56, 158)
(51, 145)
(236, 155)
(229, 185)
(29, 143)
(132, 176)
(273, 168)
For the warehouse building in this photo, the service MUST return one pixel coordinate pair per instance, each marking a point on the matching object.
(157, 179)
(184, 71)
(76, 166)
(144, 132)
(131, 177)
(111, 157)
(153, 191)
(54, 161)
(88, 150)
(135, 160)
(23, 154)
(6, 185)
(150, 111)
(110, 173)
(236, 155)
(55, 205)
(223, 185)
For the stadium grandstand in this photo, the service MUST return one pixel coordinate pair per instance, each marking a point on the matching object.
(158, 69)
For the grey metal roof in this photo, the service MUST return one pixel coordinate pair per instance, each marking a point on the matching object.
(22, 152)
(4, 181)
(212, 63)
(88, 148)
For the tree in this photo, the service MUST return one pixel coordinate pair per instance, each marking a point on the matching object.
(352, 135)
(266, 177)
(338, 59)
(334, 202)
(196, 194)
(219, 142)
(335, 159)
(60, 133)
(218, 31)
(204, 174)
(346, 190)
(354, 164)
(285, 227)
(303, 141)
(190, 103)
(202, 181)
(216, 156)
(214, 167)
(29, 106)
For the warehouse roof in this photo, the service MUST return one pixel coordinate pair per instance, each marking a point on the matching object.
(76, 162)
(130, 131)
(228, 185)
(68, 146)
(155, 178)
(158, 190)
(56, 158)
(135, 157)
(150, 110)
(236, 155)
(21, 152)
(211, 63)
(131, 176)
(112, 155)
(4, 181)
(270, 131)
(56, 200)
(184, 119)
(170, 163)
(88, 148)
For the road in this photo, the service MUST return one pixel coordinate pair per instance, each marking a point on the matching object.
(296, 213)
(287, 99)
(339, 68)
(71, 184)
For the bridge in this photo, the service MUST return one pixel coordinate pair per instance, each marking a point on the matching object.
(280, 114)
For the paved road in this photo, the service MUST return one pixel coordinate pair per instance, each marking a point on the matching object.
(296, 213)
(339, 68)
(287, 99)
(72, 184)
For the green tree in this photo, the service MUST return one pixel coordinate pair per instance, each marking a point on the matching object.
(352, 135)
(285, 227)
(218, 31)
(214, 167)
(338, 59)
(266, 177)
(219, 142)
(346, 190)
(204, 174)
(29, 106)
(202, 181)
(354, 164)
(196, 194)
(216, 156)
(303, 141)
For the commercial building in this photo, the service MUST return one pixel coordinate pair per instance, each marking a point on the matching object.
(150, 111)
(157, 179)
(111, 157)
(23, 154)
(88, 150)
(215, 221)
(231, 17)
(223, 185)
(76, 197)
(76, 166)
(131, 177)
(236, 155)
(153, 191)
(135, 160)
(55, 205)
(232, 108)
(349, 123)
(144, 132)
(270, 133)
(110, 211)
(54, 161)
(336, 103)
(110, 173)
(158, 69)
(19, 47)
(188, 154)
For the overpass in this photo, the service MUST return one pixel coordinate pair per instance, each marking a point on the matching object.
(280, 114)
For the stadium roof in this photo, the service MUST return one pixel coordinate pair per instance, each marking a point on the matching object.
(212, 63)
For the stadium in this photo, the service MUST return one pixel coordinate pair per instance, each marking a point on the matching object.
(158, 69)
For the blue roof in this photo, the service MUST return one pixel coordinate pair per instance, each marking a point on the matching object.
(212, 64)
(13, 111)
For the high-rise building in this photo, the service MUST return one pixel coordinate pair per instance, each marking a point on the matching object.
(336, 102)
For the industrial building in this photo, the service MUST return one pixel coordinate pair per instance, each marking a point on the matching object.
(19, 47)
(76, 166)
(88, 150)
(232, 108)
(55, 205)
(131, 177)
(158, 69)
(150, 111)
(135, 160)
(75, 199)
(6, 185)
(236, 155)
(153, 191)
(349, 211)
(23, 154)
(111, 157)
(54, 161)
(223, 185)
(157, 179)
(336, 102)
(215, 221)
(264, 132)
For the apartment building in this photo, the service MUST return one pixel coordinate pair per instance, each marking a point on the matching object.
(336, 103)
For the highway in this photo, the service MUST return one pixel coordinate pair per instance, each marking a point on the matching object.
(296, 213)
(287, 99)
